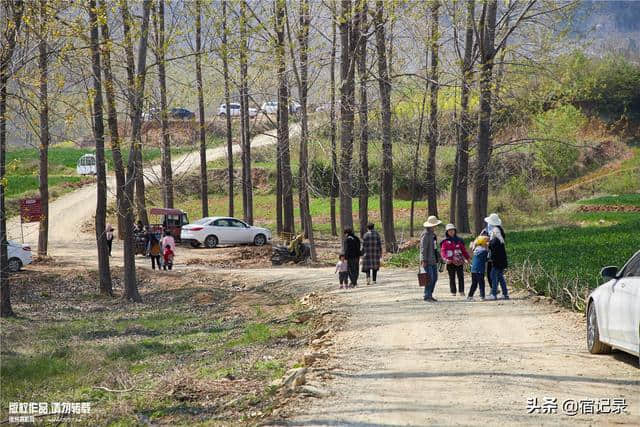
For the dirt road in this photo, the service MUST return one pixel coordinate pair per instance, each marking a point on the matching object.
(402, 361)
(69, 212)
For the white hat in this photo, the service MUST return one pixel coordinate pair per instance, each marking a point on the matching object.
(432, 221)
(493, 219)
(449, 227)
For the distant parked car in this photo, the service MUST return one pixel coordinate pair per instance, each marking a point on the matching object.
(294, 107)
(181, 113)
(87, 165)
(19, 255)
(234, 110)
(152, 114)
(613, 310)
(212, 231)
(270, 107)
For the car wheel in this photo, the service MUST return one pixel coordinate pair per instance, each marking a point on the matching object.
(259, 240)
(14, 265)
(594, 344)
(211, 242)
(195, 244)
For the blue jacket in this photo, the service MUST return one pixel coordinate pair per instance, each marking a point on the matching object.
(479, 262)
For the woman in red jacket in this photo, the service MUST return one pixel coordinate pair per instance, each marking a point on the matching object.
(455, 254)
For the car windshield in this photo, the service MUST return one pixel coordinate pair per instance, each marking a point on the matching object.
(202, 221)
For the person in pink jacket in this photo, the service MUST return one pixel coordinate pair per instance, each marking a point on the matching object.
(455, 255)
(168, 240)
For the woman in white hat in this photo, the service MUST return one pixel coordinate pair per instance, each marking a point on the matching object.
(429, 256)
(492, 221)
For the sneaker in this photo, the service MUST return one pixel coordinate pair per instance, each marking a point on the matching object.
(492, 297)
(461, 294)
(469, 298)
(482, 298)
(341, 286)
(505, 297)
(433, 299)
(374, 282)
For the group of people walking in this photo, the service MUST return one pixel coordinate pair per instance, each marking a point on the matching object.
(489, 258)
(161, 251)
(358, 256)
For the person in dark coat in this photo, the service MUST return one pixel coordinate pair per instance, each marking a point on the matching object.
(498, 255)
(352, 253)
(371, 253)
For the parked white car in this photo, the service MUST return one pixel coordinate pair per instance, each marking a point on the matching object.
(613, 310)
(19, 255)
(270, 107)
(217, 230)
(234, 110)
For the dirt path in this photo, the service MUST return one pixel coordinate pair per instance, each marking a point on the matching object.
(406, 362)
(69, 212)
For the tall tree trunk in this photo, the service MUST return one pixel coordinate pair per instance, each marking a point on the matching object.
(203, 142)
(101, 173)
(481, 188)
(416, 161)
(386, 172)
(462, 180)
(283, 122)
(305, 209)
(347, 98)
(332, 119)
(136, 93)
(136, 81)
(112, 119)
(363, 205)
(227, 100)
(167, 172)
(432, 191)
(14, 9)
(43, 231)
(244, 106)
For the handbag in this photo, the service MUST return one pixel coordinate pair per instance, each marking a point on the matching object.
(423, 277)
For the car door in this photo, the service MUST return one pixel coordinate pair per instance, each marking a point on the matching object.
(220, 228)
(624, 306)
(241, 230)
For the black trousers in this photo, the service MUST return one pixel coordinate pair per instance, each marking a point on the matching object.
(155, 260)
(371, 272)
(477, 281)
(353, 264)
(109, 245)
(167, 266)
(455, 270)
(343, 276)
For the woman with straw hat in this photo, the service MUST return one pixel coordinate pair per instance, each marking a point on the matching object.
(429, 256)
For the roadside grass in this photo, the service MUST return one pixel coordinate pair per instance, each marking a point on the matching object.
(170, 358)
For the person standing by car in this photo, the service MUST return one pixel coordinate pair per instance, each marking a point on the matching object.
(498, 255)
(352, 252)
(108, 231)
(454, 254)
(168, 239)
(429, 256)
(371, 253)
(154, 252)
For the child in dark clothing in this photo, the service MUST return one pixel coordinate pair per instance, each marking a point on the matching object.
(168, 257)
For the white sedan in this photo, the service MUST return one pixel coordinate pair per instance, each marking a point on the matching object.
(613, 310)
(212, 231)
(19, 255)
(234, 110)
